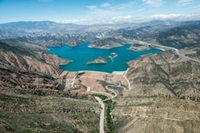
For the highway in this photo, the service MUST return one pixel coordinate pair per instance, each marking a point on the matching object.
(176, 51)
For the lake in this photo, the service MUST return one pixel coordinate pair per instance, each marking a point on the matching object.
(82, 54)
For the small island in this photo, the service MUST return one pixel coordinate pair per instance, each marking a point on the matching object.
(101, 60)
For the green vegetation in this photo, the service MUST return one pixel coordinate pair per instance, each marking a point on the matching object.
(27, 113)
(103, 97)
(8, 98)
(109, 106)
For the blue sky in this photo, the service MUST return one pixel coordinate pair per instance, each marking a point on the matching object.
(98, 11)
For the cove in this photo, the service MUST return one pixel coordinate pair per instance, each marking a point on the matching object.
(82, 54)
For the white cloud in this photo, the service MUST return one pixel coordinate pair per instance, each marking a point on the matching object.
(178, 17)
(165, 16)
(106, 10)
(125, 19)
(91, 7)
(126, 5)
(153, 2)
(121, 19)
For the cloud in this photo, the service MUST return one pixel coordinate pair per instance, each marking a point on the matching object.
(177, 17)
(91, 7)
(156, 3)
(121, 19)
(134, 11)
(108, 9)
(126, 5)
(165, 16)
(139, 19)
(76, 21)
(185, 2)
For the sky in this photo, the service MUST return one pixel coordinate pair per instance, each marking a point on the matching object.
(98, 11)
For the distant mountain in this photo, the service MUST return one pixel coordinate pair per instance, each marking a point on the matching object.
(168, 33)
(107, 43)
(31, 27)
(38, 26)
(185, 35)
(160, 22)
(47, 33)
(163, 89)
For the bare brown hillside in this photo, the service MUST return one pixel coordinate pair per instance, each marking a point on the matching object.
(164, 96)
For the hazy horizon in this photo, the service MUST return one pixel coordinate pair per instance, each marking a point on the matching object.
(98, 11)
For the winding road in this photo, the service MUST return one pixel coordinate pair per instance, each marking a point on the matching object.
(176, 51)
(102, 115)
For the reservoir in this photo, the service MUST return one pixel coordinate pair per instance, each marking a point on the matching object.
(82, 54)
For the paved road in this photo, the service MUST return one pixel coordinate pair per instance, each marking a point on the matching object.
(102, 115)
(101, 124)
(107, 87)
(171, 48)
(125, 76)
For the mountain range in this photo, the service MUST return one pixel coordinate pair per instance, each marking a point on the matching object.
(164, 90)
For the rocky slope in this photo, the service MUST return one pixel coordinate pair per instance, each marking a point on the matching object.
(47, 33)
(175, 34)
(164, 73)
(22, 68)
(101, 60)
(25, 113)
(185, 35)
(164, 96)
(56, 39)
(32, 97)
(107, 43)
(156, 115)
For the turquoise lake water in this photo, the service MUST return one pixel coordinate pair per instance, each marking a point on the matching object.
(82, 54)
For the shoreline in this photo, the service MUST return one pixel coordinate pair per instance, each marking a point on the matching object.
(160, 49)
(113, 72)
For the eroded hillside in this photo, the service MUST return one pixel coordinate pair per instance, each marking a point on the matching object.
(21, 68)
(28, 113)
(164, 96)
(32, 96)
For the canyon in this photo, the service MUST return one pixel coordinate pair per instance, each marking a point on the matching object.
(157, 93)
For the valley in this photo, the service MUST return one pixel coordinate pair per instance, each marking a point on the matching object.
(155, 92)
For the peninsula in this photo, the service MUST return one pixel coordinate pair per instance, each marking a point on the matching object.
(101, 60)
